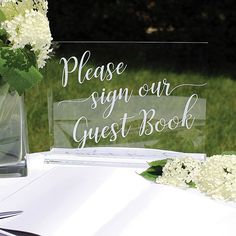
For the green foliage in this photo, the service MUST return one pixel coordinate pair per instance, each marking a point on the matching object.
(160, 163)
(2, 16)
(18, 68)
(154, 170)
(149, 174)
(3, 38)
(191, 184)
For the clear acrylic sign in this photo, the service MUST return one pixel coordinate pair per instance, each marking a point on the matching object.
(142, 95)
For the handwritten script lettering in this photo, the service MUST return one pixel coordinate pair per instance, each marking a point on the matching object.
(103, 72)
(111, 98)
(152, 119)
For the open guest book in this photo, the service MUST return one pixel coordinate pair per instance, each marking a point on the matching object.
(126, 103)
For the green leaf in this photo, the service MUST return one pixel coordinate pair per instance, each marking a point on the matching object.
(18, 68)
(148, 176)
(1, 42)
(157, 170)
(21, 59)
(152, 173)
(191, 184)
(158, 163)
(3, 38)
(2, 32)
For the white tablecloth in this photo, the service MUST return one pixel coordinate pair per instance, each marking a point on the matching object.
(65, 200)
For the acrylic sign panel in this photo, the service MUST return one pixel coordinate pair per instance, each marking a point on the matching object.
(147, 95)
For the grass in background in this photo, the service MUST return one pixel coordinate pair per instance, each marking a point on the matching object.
(220, 94)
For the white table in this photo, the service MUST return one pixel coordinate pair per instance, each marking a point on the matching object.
(65, 200)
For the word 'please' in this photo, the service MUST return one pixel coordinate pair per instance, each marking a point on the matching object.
(103, 72)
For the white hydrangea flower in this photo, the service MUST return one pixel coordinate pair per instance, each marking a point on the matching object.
(217, 177)
(179, 172)
(11, 8)
(31, 28)
(5, 2)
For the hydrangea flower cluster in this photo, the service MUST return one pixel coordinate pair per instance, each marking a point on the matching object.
(180, 172)
(217, 177)
(26, 23)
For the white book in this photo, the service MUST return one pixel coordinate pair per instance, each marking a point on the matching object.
(113, 156)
